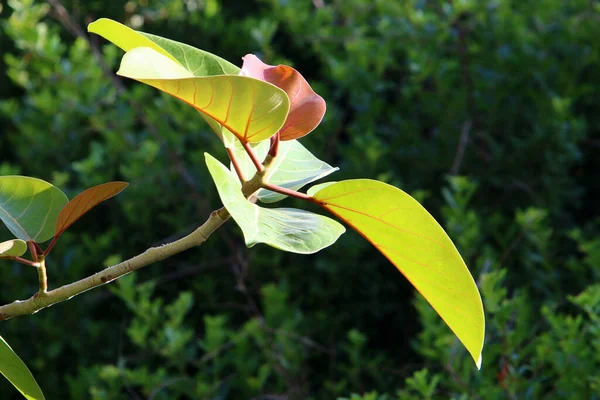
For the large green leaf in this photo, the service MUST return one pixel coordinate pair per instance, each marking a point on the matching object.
(287, 229)
(13, 368)
(196, 61)
(252, 110)
(293, 167)
(13, 248)
(400, 228)
(29, 207)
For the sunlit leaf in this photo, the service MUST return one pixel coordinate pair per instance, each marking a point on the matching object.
(288, 229)
(29, 207)
(84, 202)
(13, 248)
(196, 61)
(399, 227)
(293, 167)
(252, 110)
(306, 107)
(13, 368)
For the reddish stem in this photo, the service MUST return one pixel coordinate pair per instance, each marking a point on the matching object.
(253, 157)
(20, 259)
(274, 145)
(50, 246)
(289, 192)
(236, 165)
(33, 249)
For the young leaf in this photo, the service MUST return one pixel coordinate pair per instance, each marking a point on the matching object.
(400, 228)
(287, 229)
(13, 368)
(196, 61)
(306, 107)
(13, 248)
(84, 202)
(29, 207)
(252, 110)
(293, 167)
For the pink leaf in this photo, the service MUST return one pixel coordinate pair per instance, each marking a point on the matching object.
(307, 108)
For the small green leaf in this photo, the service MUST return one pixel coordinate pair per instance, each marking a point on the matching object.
(13, 368)
(29, 207)
(400, 228)
(13, 248)
(293, 167)
(287, 229)
(252, 110)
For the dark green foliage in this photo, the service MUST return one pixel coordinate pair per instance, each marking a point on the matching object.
(404, 81)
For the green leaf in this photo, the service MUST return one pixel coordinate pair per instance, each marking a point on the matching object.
(196, 61)
(13, 248)
(252, 110)
(13, 368)
(287, 229)
(29, 207)
(400, 228)
(293, 167)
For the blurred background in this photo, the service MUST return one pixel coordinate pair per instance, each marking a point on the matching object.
(487, 111)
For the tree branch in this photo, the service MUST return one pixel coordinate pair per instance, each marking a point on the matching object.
(42, 300)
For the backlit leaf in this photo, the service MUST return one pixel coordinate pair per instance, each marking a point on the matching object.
(13, 369)
(84, 202)
(293, 167)
(306, 107)
(252, 110)
(287, 229)
(29, 207)
(400, 228)
(196, 61)
(13, 248)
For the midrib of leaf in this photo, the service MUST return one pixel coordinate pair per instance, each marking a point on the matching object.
(45, 217)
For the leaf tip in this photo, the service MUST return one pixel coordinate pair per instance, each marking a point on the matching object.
(478, 363)
(92, 26)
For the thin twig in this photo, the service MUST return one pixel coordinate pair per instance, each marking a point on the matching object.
(152, 255)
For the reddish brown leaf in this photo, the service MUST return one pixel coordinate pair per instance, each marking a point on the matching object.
(84, 202)
(306, 107)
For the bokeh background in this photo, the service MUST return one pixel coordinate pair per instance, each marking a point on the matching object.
(487, 111)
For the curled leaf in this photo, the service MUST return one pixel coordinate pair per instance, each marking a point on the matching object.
(84, 202)
(411, 239)
(307, 108)
(13, 248)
